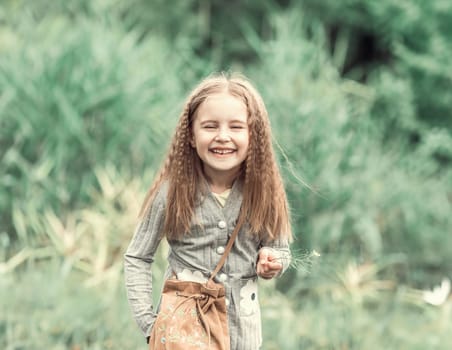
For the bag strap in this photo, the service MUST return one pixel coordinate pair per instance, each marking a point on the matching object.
(228, 246)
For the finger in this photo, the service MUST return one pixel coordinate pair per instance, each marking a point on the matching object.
(273, 266)
(263, 255)
(260, 268)
(271, 256)
(267, 275)
(266, 267)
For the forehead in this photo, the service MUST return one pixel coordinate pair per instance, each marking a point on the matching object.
(222, 105)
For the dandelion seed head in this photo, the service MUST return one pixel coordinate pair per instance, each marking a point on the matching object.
(303, 261)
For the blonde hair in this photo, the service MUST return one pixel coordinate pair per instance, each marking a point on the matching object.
(264, 203)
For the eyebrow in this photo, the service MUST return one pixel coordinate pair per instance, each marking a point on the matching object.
(231, 121)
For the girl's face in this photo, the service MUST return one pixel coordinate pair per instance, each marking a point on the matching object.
(221, 136)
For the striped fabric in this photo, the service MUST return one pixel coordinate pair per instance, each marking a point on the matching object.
(193, 258)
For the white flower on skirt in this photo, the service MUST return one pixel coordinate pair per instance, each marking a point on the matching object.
(248, 298)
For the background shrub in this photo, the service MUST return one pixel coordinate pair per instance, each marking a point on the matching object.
(358, 97)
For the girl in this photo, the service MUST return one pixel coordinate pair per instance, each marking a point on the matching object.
(220, 164)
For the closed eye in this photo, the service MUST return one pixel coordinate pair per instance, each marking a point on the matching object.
(237, 127)
(209, 126)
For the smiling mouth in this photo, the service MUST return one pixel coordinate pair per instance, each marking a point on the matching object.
(222, 151)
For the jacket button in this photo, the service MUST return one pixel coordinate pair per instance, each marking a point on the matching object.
(221, 224)
(223, 277)
(220, 250)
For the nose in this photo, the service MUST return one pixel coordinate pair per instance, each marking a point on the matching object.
(222, 136)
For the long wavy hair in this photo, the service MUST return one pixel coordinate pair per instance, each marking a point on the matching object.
(264, 205)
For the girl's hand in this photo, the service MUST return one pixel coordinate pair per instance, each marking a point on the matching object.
(267, 266)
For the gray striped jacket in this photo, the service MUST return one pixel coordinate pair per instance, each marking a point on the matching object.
(195, 256)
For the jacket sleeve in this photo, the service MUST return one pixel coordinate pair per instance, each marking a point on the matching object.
(137, 264)
(280, 248)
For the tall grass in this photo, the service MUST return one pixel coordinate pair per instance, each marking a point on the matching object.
(75, 100)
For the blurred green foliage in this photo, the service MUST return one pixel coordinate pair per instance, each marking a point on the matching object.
(359, 99)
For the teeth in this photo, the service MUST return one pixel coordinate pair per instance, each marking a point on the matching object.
(222, 151)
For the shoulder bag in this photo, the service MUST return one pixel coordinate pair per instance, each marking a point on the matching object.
(193, 315)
